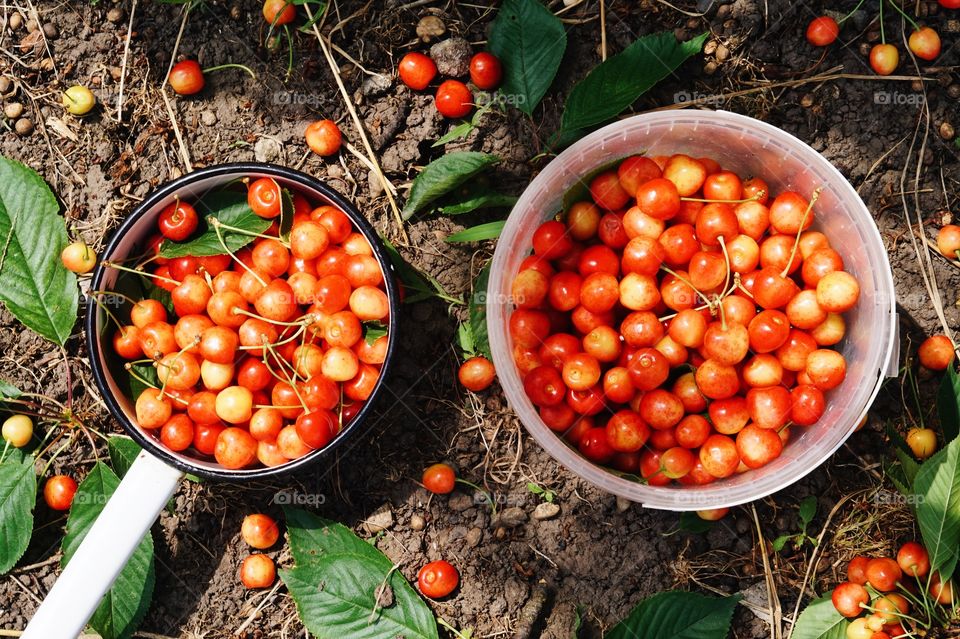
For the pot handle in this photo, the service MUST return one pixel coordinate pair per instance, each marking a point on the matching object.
(126, 517)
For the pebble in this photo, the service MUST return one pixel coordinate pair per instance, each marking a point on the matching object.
(460, 502)
(511, 517)
(6, 83)
(335, 171)
(32, 25)
(430, 28)
(209, 118)
(16, 21)
(865, 48)
(235, 12)
(806, 101)
(452, 57)
(266, 150)
(417, 523)
(546, 510)
(710, 47)
(50, 31)
(623, 504)
(954, 91)
(13, 110)
(379, 521)
(374, 184)
(376, 85)
(473, 537)
(710, 67)
(946, 131)
(24, 126)
(722, 52)
(115, 15)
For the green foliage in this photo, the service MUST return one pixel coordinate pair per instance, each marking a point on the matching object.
(229, 208)
(488, 231)
(418, 285)
(442, 176)
(545, 494)
(34, 285)
(337, 579)
(820, 620)
(808, 510)
(530, 42)
(472, 335)
(678, 615)
(937, 490)
(373, 330)
(948, 405)
(18, 494)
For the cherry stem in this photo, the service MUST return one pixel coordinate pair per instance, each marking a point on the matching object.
(42, 397)
(796, 242)
(216, 228)
(757, 196)
(896, 614)
(726, 262)
(302, 321)
(883, 37)
(106, 310)
(489, 496)
(241, 231)
(852, 11)
(56, 454)
(290, 380)
(912, 22)
(141, 272)
(231, 66)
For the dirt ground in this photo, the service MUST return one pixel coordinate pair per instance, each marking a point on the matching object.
(597, 555)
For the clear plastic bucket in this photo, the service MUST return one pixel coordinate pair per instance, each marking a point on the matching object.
(748, 147)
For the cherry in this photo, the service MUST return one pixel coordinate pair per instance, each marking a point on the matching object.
(686, 173)
(157, 339)
(857, 570)
(648, 369)
(769, 407)
(617, 386)
(266, 424)
(453, 99)
(323, 137)
(178, 221)
(637, 292)
(626, 431)
(317, 428)
(849, 598)
(830, 331)
(658, 198)
(259, 531)
(235, 447)
(729, 415)
(924, 43)
(758, 446)
(598, 259)
(922, 442)
(837, 292)
(126, 342)
(744, 254)
(651, 469)
(594, 445)
(178, 433)
(936, 352)
(278, 12)
(940, 590)
(883, 574)
(753, 218)
(769, 330)
(717, 380)
(717, 220)
(790, 213)
(826, 368)
(822, 31)
(804, 312)
(438, 579)
(719, 456)
(290, 444)
(258, 571)
(948, 241)
(205, 437)
(476, 373)
(58, 492)
(722, 185)
(486, 72)
(808, 405)
(676, 462)
(263, 197)
(772, 290)
(603, 343)
(583, 220)
(728, 344)
(889, 608)
(660, 409)
(417, 70)
(692, 431)
(637, 170)
(529, 328)
(544, 386)
(913, 559)
(18, 430)
(186, 78)
(685, 387)
(884, 58)
(586, 402)
(78, 258)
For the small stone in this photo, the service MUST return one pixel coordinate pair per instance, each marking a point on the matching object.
(379, 521)
(429, 28)
(954, 91)
(115, 15)
(806, 101)
(417, 523)
(266, 150)
(916, 86)
(865, 48)
(623, 504)
(546, 510)
(500, 533)
(473, 537)
(32, 25)
(24, 126)
(722, 52)
(209, 118)
(723, 11)
(376, 85)
(374, 184)
(511, 517)
(50, 31)
(47, 65)
(235, 12)
(452, 57)
(5, 84)
(459, 502)
(710, 47)
(710, 67)
(335, 171)
(946, 131)
(16, 21)
(13, 110)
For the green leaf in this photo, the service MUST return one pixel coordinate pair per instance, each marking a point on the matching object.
(530, 41)
(465, 339)
(462, 130)
(488, 231)
(580, 191)
(477, 313)
(908, 466)
(693, 523)
(8, 390)
(443, 175)
(286, 212)
(123, 452)
(336, 579)
(938, 508)
(808, 510)
(127, 601)
(373, 330)
(18, 494)
(478, 199)
(421, 285)
(617, 83)
(34, 284)
(948, 405)
(144, 371)
(780, 542)
(230, 208)
(677, 615)
(820, 620)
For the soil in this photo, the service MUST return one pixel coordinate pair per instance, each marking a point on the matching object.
(599, 556)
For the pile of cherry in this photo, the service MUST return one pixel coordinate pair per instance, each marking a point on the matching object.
(270, 349)
(880, 592)
(678, 325)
